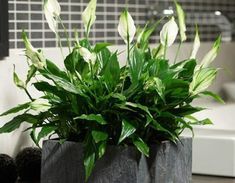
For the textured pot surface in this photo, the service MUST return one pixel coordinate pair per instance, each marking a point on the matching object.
(171, 163)
(168, 163)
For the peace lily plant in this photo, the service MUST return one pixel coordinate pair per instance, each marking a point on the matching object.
(96, 102)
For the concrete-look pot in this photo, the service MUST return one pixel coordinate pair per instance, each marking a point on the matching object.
(168, 163)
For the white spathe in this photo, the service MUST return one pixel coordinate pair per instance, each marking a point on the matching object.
(88, 15)
(87, 55)
(169, 32)
(126, 27)
(196, 45)
(181, 20)
(36, 57)
(52, 12)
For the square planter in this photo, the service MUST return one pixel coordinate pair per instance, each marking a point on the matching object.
(171, 163)
(167, 163)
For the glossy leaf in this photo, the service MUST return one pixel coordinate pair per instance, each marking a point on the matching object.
(112, 72)
(17, 109)
(101, 46)
(89, 158)
(45, 131)
(136, 64)
(99, 136)
(214, 95)
(93, 117)
(202, 79)
(141, 145)
(16, 122)
(127, 130)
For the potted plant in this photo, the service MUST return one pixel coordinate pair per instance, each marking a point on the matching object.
(105, 116)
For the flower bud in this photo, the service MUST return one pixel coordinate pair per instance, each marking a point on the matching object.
(126, 27)
(169, 32)
(52, 12)
(88, 15)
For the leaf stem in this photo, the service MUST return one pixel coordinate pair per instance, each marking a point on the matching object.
(60, 45)
(127, 62)
(66, 34)
(28, 94)
(177, 53)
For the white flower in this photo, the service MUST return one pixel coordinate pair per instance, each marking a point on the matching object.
(52, 12)
(33, 54)
(196, 45)
(87, 55)
(181, 19)
(169, 32)
(126, 27)
(88, 15)
(40, 105)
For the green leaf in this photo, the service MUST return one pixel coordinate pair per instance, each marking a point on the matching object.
(33, 136)
(63, 84)
(157, 126)
(45, 130)
(141, 145)
(46, 87)
(214, 95)
(54, 70)
(139, 106)
(99, 136)
(19, 83)
(181, 19)
(144, 35)
(127, 130)
(111, 72)
(155, 84)
(89, 157)
(136, 64)
(93, 117)
(104, 56)
(202, 79)
(31, 73)
(16, 109)
(186, 110)
(72, 60)
(212, 54)
(202, 122)
(101, 46)
(16, 122)
(101, 149)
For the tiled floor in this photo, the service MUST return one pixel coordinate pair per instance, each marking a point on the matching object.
(208, 179)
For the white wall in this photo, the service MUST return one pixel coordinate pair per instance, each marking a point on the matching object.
(11, 96)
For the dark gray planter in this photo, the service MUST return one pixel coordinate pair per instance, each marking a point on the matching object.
(168, 163)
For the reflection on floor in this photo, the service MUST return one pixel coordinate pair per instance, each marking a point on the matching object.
(210, 179)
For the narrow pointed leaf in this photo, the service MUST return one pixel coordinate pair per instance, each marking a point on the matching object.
(196, 45)
(212, 54)
(16, 109)
(181, 19)
(141, 145)
(214, 95)
(127, 130)
(45, 131)
(16, 122)
(93, 117)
